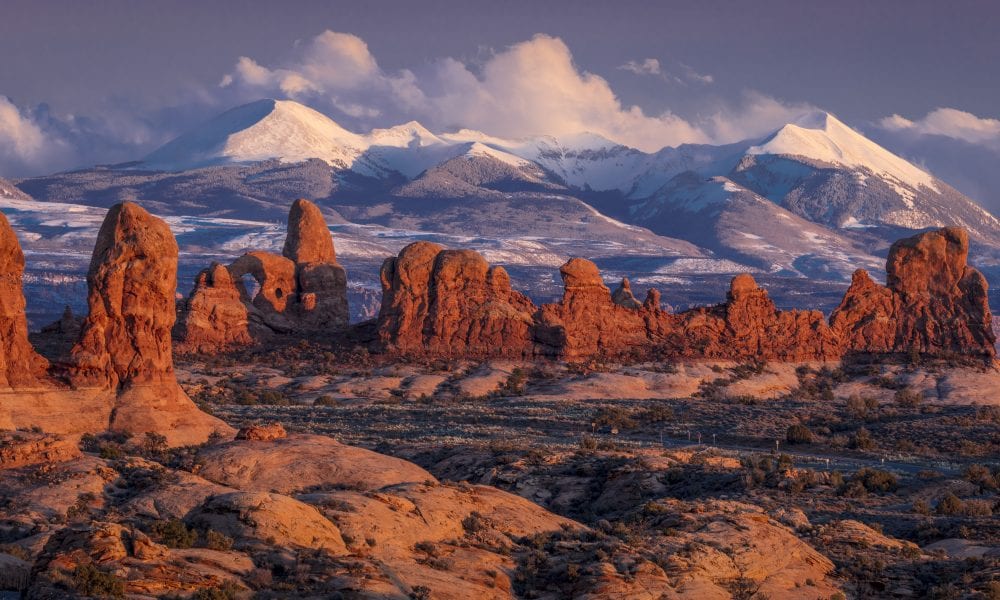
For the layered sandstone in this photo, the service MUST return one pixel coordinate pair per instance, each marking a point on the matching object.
(20, 365)
(933, 301)
(451, 302)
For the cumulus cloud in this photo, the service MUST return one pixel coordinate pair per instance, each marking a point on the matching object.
(532, 87)
(948, 122)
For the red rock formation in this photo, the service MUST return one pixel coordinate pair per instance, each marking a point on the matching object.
(20, 365)
(321, 282)
(275, 277)
(451, 302)
(125, 343)
(303, 291)
(214, 317)
(308, 239)
(865, 318)
(934, 302)
(125, 338)
(586, 322)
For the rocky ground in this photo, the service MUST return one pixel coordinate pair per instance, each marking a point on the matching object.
(884, 482)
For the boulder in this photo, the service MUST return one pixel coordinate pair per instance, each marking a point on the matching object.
(214, 317)
(262, 433)
(20, 365)
(451, 302)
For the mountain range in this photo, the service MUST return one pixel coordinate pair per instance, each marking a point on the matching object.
(813, 200)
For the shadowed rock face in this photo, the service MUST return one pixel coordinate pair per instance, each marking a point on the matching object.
(20, 365)
(934, 302)
(214, 316)
(451, 302)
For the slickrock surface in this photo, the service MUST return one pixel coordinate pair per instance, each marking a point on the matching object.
(451, 302)
(20, 365)
(214, 317)
(304, 462)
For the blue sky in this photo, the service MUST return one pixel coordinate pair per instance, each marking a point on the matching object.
(93, 82)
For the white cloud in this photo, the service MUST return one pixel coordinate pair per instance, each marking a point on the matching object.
(649, 66)
(949, 122)
(24, 145)
(756, 115)
(532, 87)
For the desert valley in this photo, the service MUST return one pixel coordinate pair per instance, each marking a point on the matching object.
(453, 326)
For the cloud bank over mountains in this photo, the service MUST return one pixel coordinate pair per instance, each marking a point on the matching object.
(529, 88)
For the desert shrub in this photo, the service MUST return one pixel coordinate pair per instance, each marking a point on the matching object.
(921, 507)
(798, 434)
(225, 591)
(474, 523)
(876, 480)
(862, 408)
(949, 505)
(982, 476)
(88, 580)
(659, 413)
(174, 534)
(326, 400)
(615, 417)
(153, 444)
(908, 397)
(862, 440)
(515, 384)
(588, 443)
(218, 541)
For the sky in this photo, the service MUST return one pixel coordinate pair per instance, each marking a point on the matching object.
(83, 83)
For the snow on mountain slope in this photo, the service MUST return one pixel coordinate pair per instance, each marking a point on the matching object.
(260, 131)
(821, 136)
(739, 225)
(9, 191)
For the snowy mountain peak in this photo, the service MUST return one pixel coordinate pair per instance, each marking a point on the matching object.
(258, 131)
(822, 137)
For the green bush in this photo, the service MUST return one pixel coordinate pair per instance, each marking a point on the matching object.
(91, 581)
(174, 534)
